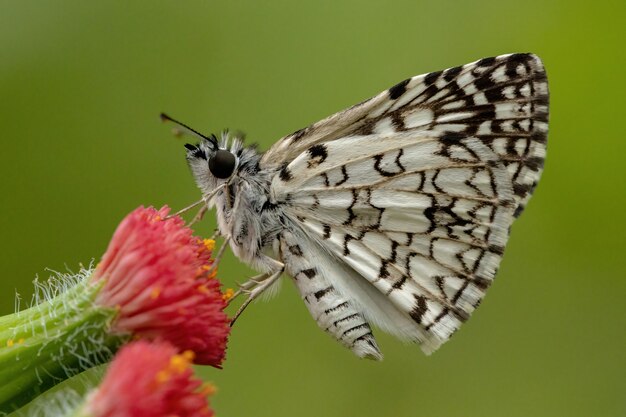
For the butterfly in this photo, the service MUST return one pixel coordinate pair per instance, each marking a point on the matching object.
(394, 212)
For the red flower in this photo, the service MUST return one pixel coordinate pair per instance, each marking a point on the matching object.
(150, 379)
(159, 276)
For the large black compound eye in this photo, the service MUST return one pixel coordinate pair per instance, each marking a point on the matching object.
(222, 164)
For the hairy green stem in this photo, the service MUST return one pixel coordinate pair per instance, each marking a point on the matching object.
(52, 341)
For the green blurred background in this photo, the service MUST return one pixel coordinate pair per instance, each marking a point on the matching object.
(81, 87)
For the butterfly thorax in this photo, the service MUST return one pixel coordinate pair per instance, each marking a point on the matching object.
(245, 212)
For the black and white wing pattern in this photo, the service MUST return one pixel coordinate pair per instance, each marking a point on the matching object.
(410, 195)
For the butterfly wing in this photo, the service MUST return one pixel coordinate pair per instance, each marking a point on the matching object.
(415, 189)
(503, 101)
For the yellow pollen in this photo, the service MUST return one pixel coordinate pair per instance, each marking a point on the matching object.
(10, 342)
(209, 244)
(207, 389)
(154, 294)
(157, 218)
(189, 355)
(206, 267)
(178, 364)
(162, 376)
(203, 289)
(228, 294)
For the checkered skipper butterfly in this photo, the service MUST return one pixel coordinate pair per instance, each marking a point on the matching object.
(394, 212)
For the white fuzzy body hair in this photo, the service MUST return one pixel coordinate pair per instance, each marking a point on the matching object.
(243, 210)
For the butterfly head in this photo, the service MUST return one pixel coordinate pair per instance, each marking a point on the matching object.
(220, 162)
(212, 161)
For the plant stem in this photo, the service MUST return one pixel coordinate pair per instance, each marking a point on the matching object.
(52, 341)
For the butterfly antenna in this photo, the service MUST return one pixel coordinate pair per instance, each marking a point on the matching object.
(211, 139)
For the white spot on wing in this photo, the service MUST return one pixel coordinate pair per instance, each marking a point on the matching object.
(384, 125)
(452, 117)
(484, 128)
(499, 145)
(419, 117)
(465, 81)
(498, 75)
(520, 146)
(525, 90)
(509, 92)
(525, 125)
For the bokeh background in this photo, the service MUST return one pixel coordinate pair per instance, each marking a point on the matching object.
(81, 87)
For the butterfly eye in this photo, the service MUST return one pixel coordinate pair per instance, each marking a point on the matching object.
(222, 164)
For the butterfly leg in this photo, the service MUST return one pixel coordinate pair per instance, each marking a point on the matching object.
(248, 285)
(204, 200)
(220, 253)
(255, 287)
(186, 209)
(199, 215)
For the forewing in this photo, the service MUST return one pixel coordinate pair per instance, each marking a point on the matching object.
(417, 195)
(503, 101)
